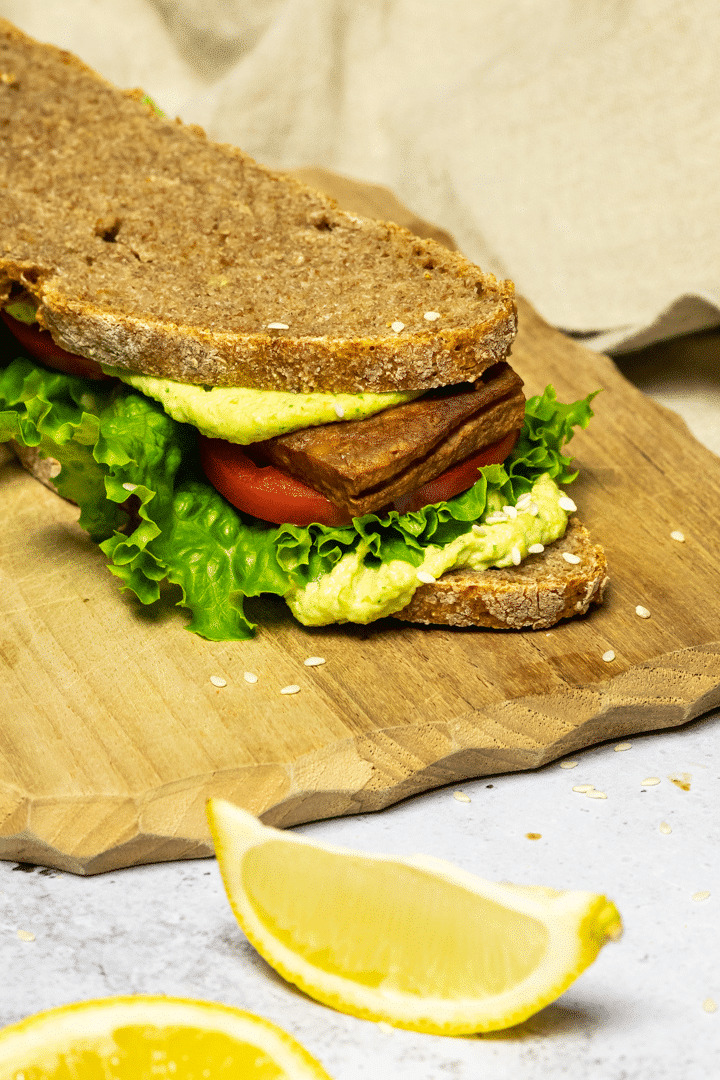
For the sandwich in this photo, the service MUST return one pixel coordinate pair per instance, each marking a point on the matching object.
(247, 390)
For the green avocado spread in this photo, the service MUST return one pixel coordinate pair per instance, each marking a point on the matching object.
(354, 592)
(246, 416)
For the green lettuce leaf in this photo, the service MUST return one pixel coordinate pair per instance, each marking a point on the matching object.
(135, 474)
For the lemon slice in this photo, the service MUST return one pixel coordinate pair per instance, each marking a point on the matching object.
(415, 942)
(134, 1038)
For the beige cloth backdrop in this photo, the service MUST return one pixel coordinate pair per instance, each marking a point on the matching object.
(573, 146)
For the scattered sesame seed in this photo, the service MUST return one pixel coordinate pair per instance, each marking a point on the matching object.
(461, 796)
(524, 501)
(533, 509)
(665, 829)
(277, 326)
(25, 935)
(709, 1006)
(642, 612)
(217, 680)
(339, 411)
(431, 316)
(314, 661)
(293, 688)
(495, 518)
(622, 746)
(397, 326)
(250, 677)
(569, 557)
(566, 503)
(425, 577)
(129, 487)
(698, 897)
(516, 555)
(596, 794)
(608, 657)
(509, 512)
(583, 789)
(569, 764)
(677, 535)
(477, 530)
(536, 549)
(650, 781)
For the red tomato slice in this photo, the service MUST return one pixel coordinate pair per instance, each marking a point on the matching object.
(270, 494)
(41, 346)
(458, 477)
(262, 490)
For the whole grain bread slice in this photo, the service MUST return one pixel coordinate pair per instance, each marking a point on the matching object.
(538, 593)
(149, 247)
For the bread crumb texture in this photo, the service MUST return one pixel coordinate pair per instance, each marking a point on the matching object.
(149, 247)
(534, 595)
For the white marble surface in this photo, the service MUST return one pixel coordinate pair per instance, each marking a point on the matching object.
(639, 1013)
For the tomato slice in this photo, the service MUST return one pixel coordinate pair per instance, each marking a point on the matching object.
(270, 494)
(41, 346)
(458, 477)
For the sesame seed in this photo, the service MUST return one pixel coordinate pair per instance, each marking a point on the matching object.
(524, 501)
(477, 530)
(250, 676)
(339, 411)
(569, 557)
(677, 535)
(461, 796)
(516, 555)
(622, 746)
(698, 897)
(277, 326)
(536, 549)
(495, 518)
(25, 935)
(217, 680)
(569, 764)
(314, 661)
(293, 688)
(709, 1006)
(509, 512)
(665, 829)
(583, 789)
(425, 577)
(533, 509)
(608, 656)
(431, 316)
(397, 326)
(566, 503)
(642, 612)
(650, 781)
(596, 794)
(129, 487)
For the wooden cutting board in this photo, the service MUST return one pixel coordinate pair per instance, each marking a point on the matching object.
(112, 734)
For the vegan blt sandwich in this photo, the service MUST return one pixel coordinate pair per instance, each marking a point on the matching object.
(250, 391)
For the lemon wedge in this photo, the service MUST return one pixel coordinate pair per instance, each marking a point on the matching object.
(134, 1038)
(414, 942)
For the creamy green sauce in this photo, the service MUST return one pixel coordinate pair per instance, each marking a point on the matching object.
(353, 592)
(246, 416)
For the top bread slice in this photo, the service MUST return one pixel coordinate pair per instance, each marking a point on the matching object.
(149, 247)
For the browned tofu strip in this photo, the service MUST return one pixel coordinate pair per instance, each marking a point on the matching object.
(362, 465)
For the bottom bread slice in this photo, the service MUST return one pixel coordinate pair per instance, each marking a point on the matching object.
(539, 593)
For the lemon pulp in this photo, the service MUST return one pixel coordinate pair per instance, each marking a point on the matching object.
(446, 942)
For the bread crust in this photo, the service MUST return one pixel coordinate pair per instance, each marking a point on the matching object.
(537, 594)
(148, 247)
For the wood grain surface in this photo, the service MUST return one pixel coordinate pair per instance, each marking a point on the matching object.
(112, 735)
